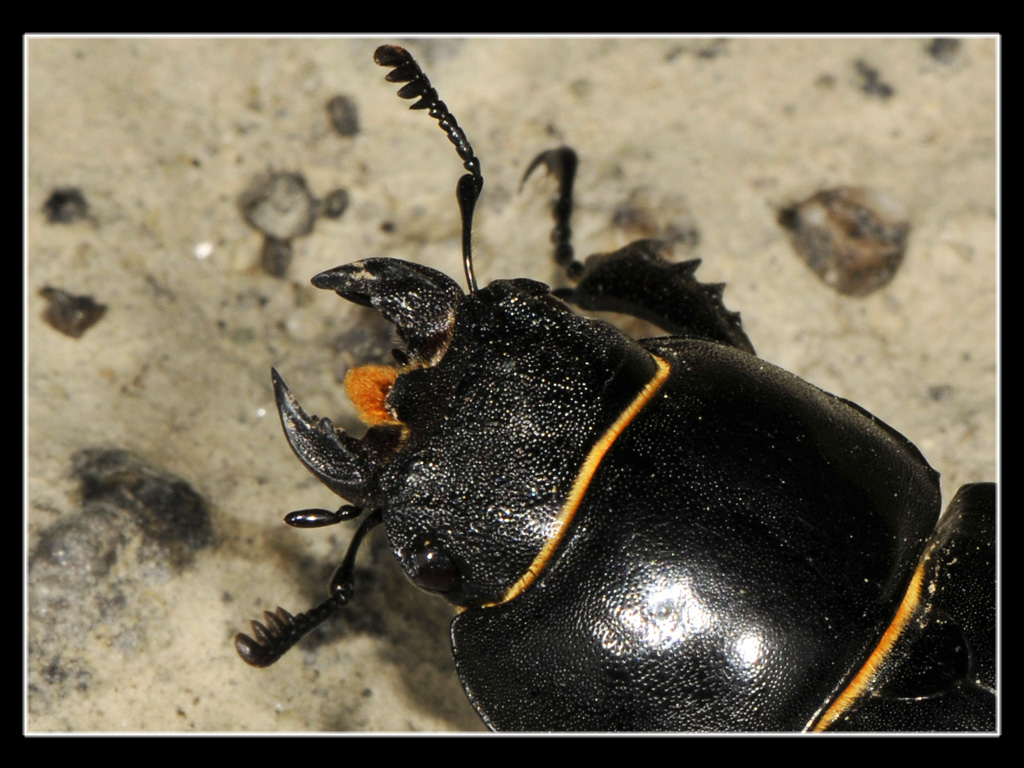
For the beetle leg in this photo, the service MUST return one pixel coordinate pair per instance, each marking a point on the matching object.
(420, 301)
(560, 163)
(345, 465)
(638, 281)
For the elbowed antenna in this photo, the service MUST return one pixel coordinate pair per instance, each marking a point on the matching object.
(270, 641)
(417, 86)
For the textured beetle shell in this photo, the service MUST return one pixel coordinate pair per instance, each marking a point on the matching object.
(668, 534)
(498, 430)
(737, 555)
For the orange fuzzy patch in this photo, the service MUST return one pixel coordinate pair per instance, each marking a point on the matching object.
(367, 388)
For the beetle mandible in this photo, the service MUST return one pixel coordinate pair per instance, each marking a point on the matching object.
(664, 534)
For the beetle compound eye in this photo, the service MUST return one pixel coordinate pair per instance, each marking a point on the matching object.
(435, 571)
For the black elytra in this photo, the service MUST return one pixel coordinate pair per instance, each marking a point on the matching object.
(664, 534)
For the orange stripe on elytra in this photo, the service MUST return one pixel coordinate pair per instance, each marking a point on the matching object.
(863, 679)
(586, 473)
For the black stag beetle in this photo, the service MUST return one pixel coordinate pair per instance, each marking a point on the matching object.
(665, 534)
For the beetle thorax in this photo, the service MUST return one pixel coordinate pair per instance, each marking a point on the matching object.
(497, 432)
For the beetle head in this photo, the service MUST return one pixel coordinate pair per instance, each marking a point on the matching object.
(475, 442)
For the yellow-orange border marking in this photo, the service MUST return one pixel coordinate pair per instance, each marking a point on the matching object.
(586, 473)
(859, 685)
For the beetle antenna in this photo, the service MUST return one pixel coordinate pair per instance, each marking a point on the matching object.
(560, 163)
(282, 630)
(319, 518)
(417, 86)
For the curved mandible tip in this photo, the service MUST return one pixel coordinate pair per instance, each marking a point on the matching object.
(339, 461)
(420, 301)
